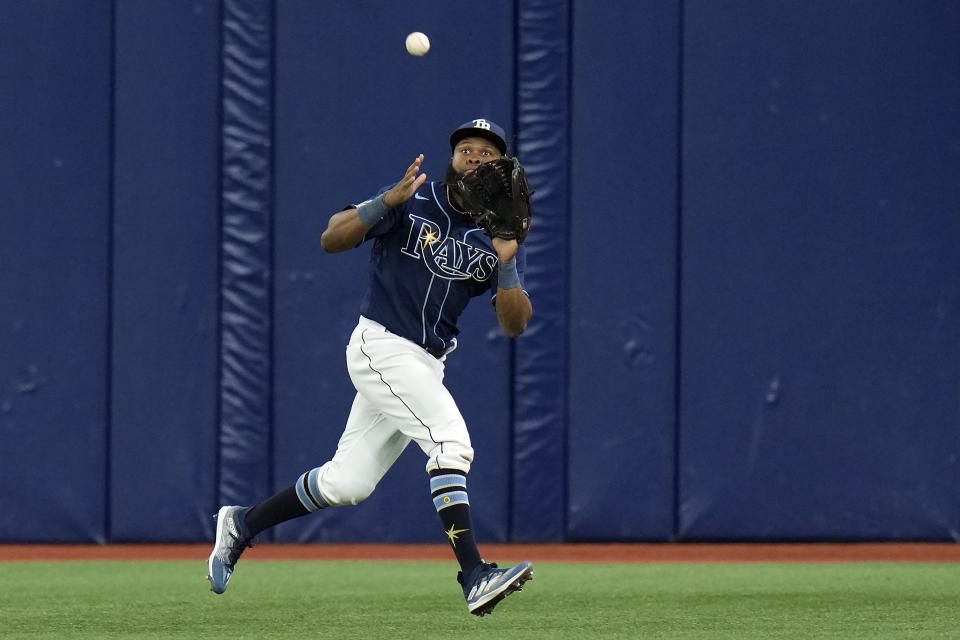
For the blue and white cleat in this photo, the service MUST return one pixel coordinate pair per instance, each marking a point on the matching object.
(232, 538)
(487, 585)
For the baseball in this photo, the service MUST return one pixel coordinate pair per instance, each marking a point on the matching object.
(418, 43)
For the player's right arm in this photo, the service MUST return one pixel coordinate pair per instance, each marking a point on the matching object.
(344, 231)
(346, 228)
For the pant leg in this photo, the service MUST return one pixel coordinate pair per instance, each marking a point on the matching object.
(367, 449)
(405, 384)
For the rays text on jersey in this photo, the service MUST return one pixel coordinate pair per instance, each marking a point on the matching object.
(448, 258)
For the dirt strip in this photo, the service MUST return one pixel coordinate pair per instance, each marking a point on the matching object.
(610, 553)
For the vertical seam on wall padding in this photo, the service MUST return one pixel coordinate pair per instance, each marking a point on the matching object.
(271, 227)
(246, 200)
(111, 218)
(512, 352)
(678, 275)
(541, 407)
(218, 340)
(565, 444)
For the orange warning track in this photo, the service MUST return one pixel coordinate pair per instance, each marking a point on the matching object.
(611, 553)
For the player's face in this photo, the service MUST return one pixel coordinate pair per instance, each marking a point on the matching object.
(470, 153)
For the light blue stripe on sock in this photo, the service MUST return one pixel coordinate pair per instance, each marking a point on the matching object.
(313, 482)
(446, 481)
(310, 498)
(449, 499)
(303, 497)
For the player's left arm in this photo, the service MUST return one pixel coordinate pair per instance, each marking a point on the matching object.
(512, 304)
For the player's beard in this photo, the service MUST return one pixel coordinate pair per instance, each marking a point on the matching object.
(450, 179)
(452, 175)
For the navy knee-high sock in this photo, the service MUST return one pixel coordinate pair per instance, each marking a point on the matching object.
(297, 500)
(278, 508)
(449, 490)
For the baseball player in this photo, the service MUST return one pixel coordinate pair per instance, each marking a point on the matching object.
(429, 259)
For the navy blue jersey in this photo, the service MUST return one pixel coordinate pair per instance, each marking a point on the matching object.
(427, 262)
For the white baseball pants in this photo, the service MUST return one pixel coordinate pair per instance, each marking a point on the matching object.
(400, 397)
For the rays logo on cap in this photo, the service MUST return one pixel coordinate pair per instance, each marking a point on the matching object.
(483, 128)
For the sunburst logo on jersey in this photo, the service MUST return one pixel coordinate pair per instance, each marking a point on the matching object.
(452, 534)
(429, 238)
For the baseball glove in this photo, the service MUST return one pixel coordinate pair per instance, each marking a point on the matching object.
(498, 196)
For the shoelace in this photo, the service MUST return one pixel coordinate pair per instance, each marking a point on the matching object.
(237, 545)
(235, 551)
(492, 572)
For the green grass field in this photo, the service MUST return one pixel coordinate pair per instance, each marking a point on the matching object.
(421, 600)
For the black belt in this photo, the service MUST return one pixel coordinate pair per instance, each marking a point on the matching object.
(436, 353)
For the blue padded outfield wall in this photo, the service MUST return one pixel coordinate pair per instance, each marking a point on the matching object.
(744, 264)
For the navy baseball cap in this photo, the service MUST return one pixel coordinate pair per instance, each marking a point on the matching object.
(482, 128)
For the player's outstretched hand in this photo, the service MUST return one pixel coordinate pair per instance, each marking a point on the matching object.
(404, 190)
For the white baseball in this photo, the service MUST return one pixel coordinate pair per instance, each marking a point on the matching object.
(418, 43)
